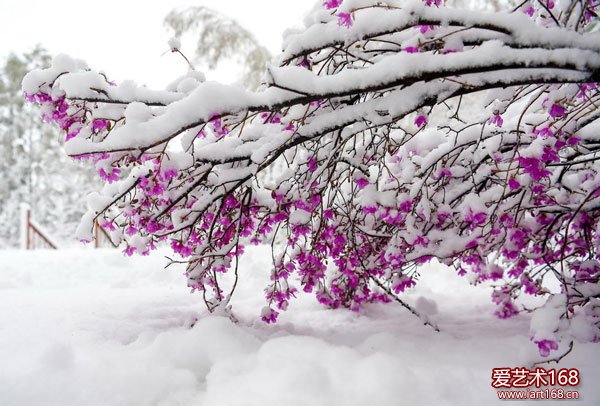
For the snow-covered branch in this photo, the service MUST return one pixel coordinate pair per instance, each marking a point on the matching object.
(389, 134)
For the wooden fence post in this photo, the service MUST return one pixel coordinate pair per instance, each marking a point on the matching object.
(32, 233)
(101, 237)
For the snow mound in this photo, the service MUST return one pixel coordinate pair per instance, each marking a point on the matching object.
(91, 327)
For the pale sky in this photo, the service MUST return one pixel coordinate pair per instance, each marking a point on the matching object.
(126, 38)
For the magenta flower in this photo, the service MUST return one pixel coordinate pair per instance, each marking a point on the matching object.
(111, 177)
(131, 230)
(421, 120)
(361, 182)
(153, 226)
(430, 3)
(472, 244)
(506, 310)
(557, 111)
(168, 174)
(99, 124)
(108, 225)
(544, 132)
(129, 250)
(329, 4)
(545, 346)
(268, 315)
(219, 129)
(422, 241)
(533, 167)
(369, 209)
(531, 288)
(475, 219)
(405, 206)
(344, 19)
(181, 248)
(496, 119)
(444, 173)
(403, 283)
(513, 184)
(529, 11)
(72, 134)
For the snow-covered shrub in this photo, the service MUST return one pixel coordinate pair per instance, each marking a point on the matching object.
(406, 131)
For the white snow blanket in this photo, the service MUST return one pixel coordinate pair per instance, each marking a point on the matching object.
(85, 327)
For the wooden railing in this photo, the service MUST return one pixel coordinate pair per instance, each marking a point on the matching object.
(32, 234)
(102, 238)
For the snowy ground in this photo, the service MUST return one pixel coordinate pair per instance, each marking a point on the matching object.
(84, 327)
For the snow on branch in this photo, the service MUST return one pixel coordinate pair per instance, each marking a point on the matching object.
(390, 134)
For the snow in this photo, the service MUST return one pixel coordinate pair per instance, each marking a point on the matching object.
(174, 44)
(413, 13)
(93, 327)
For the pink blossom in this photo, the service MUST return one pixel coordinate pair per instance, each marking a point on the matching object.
(129, 250)
(329, 4)
(369, 209)
(422, 241)
(153, 226)
(529, 11)
(180, 248)
(131, 230)
(533, 167)
(405, 206)
(168, 174)
(99, 124)
(72, 134)
(496, 119)
(421, 120)
(111, 176)
(269, 315)
(475, 218)
(544, 132)
(506, 310)
(530, 286)
(344, 20)
(107, 225)
(361, 182)
(443, 173)
(472, 244)
(219, 129)
(557, 111)
(402, 283)
(545, 346)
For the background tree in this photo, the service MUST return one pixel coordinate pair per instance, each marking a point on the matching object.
(34, 170)
(408, 132)
(219, 38)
